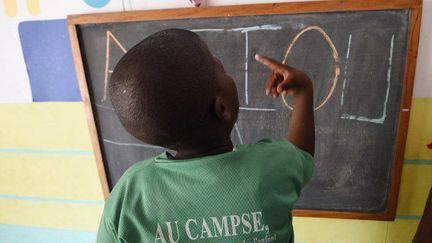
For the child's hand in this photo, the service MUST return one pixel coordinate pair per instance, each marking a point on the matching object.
(283, 79)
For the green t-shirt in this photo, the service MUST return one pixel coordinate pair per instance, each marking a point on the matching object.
(246, 196)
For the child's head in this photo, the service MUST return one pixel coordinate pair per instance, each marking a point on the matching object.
(169, 90)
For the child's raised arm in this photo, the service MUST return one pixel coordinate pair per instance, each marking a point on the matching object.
(284, 80)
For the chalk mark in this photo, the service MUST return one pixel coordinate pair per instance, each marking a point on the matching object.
(256, 109)
(246, 67)
(256, 28)
(346, 69)
(335, 57)
(381, 119)
(108, 37)
(104, 107)
(132, 144)
(204, 30)
(243, 30)
(238, 133)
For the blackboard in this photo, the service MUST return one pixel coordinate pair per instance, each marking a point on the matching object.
(357, 60)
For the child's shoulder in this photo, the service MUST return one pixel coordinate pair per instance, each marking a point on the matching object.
(137, 169)
(276, 144)
(281, 153)
(133, 175)
(125, 187)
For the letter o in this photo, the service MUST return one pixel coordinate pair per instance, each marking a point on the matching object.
(335, 58)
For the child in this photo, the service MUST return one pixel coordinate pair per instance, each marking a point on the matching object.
(170, 91)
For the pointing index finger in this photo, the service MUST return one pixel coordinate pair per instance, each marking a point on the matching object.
(270, 63)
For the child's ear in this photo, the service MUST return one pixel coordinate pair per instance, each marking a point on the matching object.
(221, 109)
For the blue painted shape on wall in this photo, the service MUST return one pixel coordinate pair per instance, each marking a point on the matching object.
(48, 57)
(97, 3)
(30, 234)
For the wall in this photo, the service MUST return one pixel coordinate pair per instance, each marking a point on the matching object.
(49, 187)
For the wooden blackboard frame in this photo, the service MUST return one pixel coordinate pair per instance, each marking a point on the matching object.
(415, 7)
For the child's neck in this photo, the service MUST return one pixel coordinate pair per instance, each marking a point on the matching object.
(209, 149)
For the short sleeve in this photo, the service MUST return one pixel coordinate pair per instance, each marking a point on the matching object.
(297, 159)
(298, 164)
(306, 161)
(106, 232)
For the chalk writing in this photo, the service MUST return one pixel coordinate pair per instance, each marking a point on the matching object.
(381, 119)
(245, 31)
(346, 69)
(335, 58)
(109, 37)
(238, 133)
(131, 144)
(105, 107)
(256, 109)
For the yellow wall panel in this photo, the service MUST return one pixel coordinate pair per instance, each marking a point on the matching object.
(415, 184)
(322, 230)
(50, 176)
(47, 126)
(50, 214)
(420, 130)
(401, 231)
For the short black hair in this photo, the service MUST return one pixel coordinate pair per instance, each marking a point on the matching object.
(163, 88)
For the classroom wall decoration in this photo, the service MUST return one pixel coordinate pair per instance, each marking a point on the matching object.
(48, 59)
(50, 190)
(97, 3)
(22, 73)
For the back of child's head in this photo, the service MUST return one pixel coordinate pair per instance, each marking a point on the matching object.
(163, 88)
